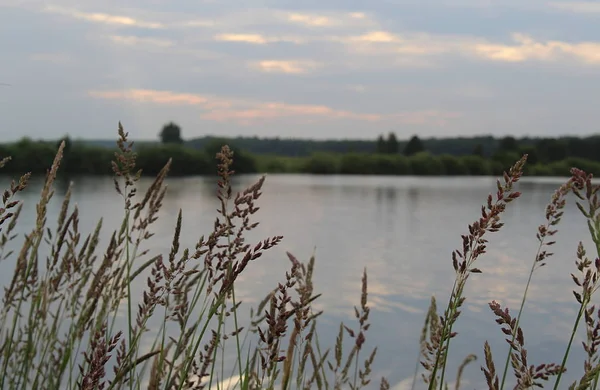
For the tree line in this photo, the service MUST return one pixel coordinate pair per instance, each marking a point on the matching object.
(541, 149)
(80, 158)
(387, 156)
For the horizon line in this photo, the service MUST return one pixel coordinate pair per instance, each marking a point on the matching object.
(589, 135)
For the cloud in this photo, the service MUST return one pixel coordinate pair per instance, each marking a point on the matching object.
(526, 49)
(246, 38)
(246, 112)
(103, 18)
(406, 48)
(256, 39)
(332, 19)
(311, 20)
(161, 97)
(375, 37)
(132, 40)
(522, 48)
(292, 67)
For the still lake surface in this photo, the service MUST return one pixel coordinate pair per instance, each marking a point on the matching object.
(403, 230)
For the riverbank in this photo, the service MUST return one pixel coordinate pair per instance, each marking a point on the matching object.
(34, 157)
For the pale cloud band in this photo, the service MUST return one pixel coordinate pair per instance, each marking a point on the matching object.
(98, 17)
(523, 47)
(282, 66)
(401, 45)
(246, 112)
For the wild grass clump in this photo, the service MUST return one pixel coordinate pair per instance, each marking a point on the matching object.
(438, 331)
(71, 320)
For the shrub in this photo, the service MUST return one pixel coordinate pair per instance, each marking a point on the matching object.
(357, 164)
(540, 170)
(453, 165)
(321, 163)
(425, 164)
(184, 161)
(273, 164)
(477, 165)
(390, 164)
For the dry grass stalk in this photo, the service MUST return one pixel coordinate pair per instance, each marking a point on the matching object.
(527, 375)
(554, 213)
(474, 245)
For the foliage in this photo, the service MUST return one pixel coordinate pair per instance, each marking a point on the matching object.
(477, 166)
(414, 146)
(171, 134)
(80, 159)
(321, 163)
(478, 150)
(184, 161)
(546, 149)
(389, 145)
(35, 157)
(289, 147)
(381, 146)
(453, 165)
(508, 144)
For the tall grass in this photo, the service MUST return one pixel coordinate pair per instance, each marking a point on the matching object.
(438, 329)
(71, 320)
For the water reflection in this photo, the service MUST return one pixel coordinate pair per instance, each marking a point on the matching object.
(402, 229)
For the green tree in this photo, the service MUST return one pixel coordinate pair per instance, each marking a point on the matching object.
(392, 144)
(551, 150)
(171, 134)
(414, 146)
(508, 144)
(381, 145)
(478, 150)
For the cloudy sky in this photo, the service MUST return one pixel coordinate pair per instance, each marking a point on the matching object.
(299, 68)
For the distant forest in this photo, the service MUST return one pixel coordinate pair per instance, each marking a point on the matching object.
(544, 149)
(385, 155)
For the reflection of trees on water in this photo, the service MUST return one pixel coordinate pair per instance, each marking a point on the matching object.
(387, 196)
(414, 195)
(179, 190)
(387, 202)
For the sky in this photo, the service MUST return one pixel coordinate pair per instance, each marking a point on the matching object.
(323, 69)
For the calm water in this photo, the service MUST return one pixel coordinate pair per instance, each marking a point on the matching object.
(403, 231)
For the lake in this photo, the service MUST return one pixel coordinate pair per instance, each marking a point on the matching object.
(403, 230)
